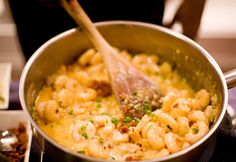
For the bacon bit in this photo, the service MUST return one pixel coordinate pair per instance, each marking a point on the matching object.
(132, 112)
(109, 146)
(103, 88)
(133, 158)
(176, 105)
(125, 109)
(133, 123)
(129, 158)
(123, 128)
(99, 125)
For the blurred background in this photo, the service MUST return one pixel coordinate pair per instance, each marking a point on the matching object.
(217, 33)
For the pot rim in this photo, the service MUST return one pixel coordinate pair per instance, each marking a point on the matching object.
(127, 23)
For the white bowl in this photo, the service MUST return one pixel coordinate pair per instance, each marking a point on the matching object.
(5, 79)
(11, 119)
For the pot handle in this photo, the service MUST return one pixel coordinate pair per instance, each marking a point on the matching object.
(230, 77)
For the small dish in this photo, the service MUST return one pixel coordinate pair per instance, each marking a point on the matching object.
(11, 119)
(5, 79)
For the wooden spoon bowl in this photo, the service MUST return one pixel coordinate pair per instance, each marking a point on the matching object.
(136, 93)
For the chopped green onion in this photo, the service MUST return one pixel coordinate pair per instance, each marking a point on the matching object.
(107, 120)
(137, 120)
(146, 106)
(60, 104)
(83, 128)
(115, 121)
(70, 112)
(149, 113)
(81, 151)
(113, 158)
(195, 130)
(135, 93)
(127, 120)
(84, 135)
(98, 106)
(105, 113)
(101, 140)
(91, 120)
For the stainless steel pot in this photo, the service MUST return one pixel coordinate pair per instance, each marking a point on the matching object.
(190, 59)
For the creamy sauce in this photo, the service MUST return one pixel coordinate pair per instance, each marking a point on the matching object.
(77, 109)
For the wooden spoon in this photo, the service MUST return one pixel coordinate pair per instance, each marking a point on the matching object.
(134, 91)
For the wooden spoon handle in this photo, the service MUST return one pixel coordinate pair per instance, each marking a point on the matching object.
(84, 22)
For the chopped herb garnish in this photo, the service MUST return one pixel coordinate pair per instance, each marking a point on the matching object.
(150, 126)
(112, 158)
(91, 120)
(115, 121)
(135, 93)
(83, 128)
(71, 112)
(84, 135)
(61, 104)
(137, 120)
(150, 113)
(104, 113)
(146, 106)
(195, 130)
(81, 151)
(127, 120)
(98, 106)
(168, 126)
(107, 120)
(101, 140)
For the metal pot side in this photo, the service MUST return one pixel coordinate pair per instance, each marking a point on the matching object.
(190, 59)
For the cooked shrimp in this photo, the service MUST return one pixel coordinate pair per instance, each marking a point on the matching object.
(151, 154)
(95, 149)
(127, 148)
(180, 107)
(50, 111)
(104, 124)
(87, 94)
(167, 120)
(154, 137)
(209, 114)
(196, 115)
(171, 142)
(65, 98)
(204, 98)
(183, 123)
(60, 81)
(118, 137)
(83, 130)
(145, 119)
(71, 84)
(136, 137)
(85, 58)
(168, 100)
(197, 131)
